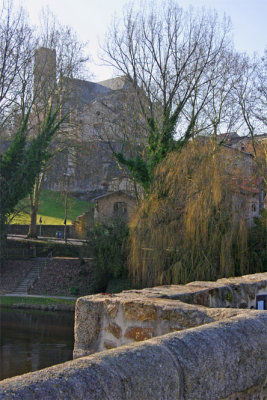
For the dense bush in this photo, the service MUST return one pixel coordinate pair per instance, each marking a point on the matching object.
(257, 244)
(107, 245)
(74, 290)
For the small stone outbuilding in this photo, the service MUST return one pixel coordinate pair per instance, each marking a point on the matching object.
(114, 205)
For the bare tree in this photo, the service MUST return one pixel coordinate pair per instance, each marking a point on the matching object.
(59, 57)
(15, 40)
(261, 86)
(219, 111)
(249, 95)
(35, 70)
(170, 57)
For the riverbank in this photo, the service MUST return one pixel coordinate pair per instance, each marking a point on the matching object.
(43, 303)
(57, 276)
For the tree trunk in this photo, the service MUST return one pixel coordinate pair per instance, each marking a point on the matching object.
(34, 198)
(3, 238)
(33, 225)
(66, 216)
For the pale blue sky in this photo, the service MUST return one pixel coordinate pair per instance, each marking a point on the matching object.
(90, 18)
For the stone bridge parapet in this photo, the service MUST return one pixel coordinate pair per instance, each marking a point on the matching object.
(204, 340)
(108, 321)
(220, 360)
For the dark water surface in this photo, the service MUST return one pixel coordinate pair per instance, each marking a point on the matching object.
(31, 340)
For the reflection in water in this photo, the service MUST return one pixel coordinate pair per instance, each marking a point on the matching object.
(32, 340)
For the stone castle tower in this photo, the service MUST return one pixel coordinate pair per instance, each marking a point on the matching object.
(44, 74)
(90, 108)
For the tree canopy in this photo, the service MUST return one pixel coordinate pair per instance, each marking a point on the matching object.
(173, 60)
(35, 64)
(194, 225)
(187, 80)
(21, 164)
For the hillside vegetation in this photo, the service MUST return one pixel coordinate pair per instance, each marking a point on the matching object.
(52, 209)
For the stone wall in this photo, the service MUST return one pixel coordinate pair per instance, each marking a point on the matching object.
(46, 230)
(94, 168)
(107, 321)
(220, 360)
(105, 207)
(194, 342)
(64, 277)
(58, 276)
(12, 273)
(83, 223)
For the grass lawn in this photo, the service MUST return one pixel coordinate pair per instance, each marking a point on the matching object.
(16, 300)
(52, 209)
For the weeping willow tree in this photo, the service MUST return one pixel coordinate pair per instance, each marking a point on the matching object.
(193, 226)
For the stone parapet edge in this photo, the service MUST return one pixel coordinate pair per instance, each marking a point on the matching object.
(212, 361)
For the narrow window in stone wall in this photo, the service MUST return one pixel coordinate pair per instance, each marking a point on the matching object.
(254, 207)
(120, 210)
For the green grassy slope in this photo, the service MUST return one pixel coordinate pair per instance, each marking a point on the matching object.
(52, 209)
(47, 301)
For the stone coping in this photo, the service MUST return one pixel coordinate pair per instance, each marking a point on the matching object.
(200, 292)
(221, 360)
(106, 321)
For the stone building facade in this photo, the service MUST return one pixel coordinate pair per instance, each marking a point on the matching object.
(114, 205)
(91, 131)
(96, 125)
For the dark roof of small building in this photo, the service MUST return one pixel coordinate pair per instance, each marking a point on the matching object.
(238, 150)
(109, 194)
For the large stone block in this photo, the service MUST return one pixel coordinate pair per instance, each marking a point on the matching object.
(114, 329)
(88, 317)
(141, 311)
(138, 334)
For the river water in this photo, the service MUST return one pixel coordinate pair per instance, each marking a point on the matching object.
(32, 340)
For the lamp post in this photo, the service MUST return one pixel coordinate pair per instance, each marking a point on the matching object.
(67, 180)
(40, 222)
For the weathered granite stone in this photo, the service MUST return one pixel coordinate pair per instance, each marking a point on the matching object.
(139, 311)
(215, 361)
(219, 353)
(257, 392)
(88, 318)
(115, 314)
(229, 344)
(114, 329)
(226, 292)
(112, 309)
(109, 345)
(138, 334)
